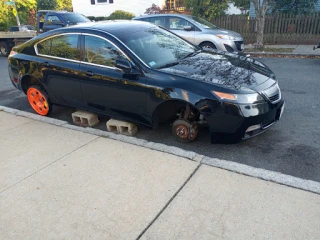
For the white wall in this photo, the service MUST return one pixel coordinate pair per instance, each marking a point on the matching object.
(232, 9)
(137, 7)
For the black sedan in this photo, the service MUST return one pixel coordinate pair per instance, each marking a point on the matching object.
(142, 73)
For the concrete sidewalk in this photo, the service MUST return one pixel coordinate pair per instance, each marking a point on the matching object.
(297, 49)
(57, 183)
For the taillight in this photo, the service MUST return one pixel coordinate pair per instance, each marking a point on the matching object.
(12, 53)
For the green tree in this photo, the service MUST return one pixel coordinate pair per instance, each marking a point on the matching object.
(7, 18)
(208, 9)
(64, 5)
(47, 4)
(119, 14)
(294, 6)
(242, 4)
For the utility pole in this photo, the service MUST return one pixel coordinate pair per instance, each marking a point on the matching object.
(15, 12)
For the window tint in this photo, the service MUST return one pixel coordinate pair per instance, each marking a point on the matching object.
(178, 23)
(75, 18)
(101, 52)
(157, 47)
(158, 21)
(53, 19)
(144, 19)
(61, 46)
(44, 47)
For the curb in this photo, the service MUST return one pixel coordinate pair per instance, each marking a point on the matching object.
(267, 175)
(290, 55)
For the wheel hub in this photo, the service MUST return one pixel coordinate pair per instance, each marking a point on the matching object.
(182, 131)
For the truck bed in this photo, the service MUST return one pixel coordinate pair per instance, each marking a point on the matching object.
(8, 35)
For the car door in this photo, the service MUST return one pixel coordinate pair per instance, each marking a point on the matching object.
(107, 89)
(59, 64)
(177, 25)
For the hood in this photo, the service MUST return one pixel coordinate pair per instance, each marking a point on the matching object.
(224, 69)
(224, 32)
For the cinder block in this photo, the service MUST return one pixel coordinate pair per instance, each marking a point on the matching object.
(85, 119)
(122, 127)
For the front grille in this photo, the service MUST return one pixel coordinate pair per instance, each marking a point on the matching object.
(274, 98)
(273, 93)
(238, 45)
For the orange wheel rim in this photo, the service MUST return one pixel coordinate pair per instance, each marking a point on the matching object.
(38, 101)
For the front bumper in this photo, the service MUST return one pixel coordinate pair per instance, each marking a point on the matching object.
(232, 46)
(235, 119)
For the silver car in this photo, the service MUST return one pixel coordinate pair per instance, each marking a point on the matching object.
(198, 31)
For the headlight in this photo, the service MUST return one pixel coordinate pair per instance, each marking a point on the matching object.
(239, 98)
(227, 37)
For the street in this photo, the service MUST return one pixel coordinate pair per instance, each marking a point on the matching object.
(291, 146)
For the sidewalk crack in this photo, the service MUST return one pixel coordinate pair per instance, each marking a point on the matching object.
(169, 202)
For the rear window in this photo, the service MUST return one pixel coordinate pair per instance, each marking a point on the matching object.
(63, 46)
(74, 18)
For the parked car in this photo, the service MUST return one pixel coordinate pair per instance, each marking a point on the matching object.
(23, 28)
(58, 19)
(142, 73)
(198, 31)
(314, 48)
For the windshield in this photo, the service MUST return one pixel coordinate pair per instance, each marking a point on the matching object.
(75, 18)
(202, 22)
(158, 48)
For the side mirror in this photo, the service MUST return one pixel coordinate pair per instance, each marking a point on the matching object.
(124, 65)
(187, 28)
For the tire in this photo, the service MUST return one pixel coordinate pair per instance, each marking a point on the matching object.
(39, 100)
(4, 49)
(184, 131)
(208, 45)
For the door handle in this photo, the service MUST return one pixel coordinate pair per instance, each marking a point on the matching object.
(46, 64)
(89, 73)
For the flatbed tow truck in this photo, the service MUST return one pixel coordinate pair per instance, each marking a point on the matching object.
(10, 39)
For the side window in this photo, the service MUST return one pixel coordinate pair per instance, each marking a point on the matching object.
(176, 23)
(144, 19)
(44, 47)
(160, 21)
(101, 52)
(52, 19)
(65, 46)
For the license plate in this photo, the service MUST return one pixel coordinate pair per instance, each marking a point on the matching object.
(281, 111)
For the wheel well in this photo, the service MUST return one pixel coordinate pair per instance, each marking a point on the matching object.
(28, 81)
(168, 110)
(208, 42)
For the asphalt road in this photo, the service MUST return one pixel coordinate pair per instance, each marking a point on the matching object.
(291, 146)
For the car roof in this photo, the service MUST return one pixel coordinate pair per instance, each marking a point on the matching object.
(51, 11)
(114, 27)
(165, 14)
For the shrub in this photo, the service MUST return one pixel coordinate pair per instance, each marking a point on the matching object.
(119, 14)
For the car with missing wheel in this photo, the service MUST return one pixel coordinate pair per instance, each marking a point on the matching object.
(198, 31)
(142, 73)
